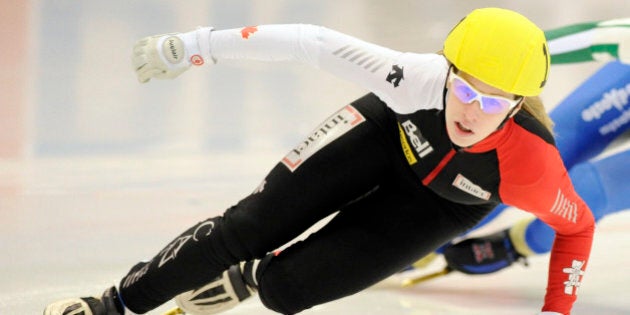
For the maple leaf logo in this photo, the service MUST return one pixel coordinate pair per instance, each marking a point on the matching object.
(245, 32)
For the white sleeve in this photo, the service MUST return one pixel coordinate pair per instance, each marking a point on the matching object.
(368, 65)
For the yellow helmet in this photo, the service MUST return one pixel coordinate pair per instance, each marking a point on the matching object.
(501, 48)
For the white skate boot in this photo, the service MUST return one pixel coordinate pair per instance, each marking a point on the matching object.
(108, 304)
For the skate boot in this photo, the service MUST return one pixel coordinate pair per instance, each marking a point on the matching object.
(108, 304)
(483, 255)
(225, 292)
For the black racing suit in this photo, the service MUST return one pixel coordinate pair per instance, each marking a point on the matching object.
(387, 220)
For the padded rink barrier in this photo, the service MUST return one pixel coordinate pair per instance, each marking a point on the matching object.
(15, 62)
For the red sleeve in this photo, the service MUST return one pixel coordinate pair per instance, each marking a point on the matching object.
(539, 183)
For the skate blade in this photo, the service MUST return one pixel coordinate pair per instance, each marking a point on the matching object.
(417, 280)
(175, 311)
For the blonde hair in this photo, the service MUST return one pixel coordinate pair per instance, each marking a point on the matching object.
(535, 107)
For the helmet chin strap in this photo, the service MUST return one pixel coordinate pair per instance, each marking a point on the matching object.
(509, 114)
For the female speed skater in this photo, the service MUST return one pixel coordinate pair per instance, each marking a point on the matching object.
(595, 114)
(441, 140)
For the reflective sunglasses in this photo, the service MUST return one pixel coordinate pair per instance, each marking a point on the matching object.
(490, 104)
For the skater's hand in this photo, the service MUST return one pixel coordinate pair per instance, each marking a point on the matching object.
(168, 55)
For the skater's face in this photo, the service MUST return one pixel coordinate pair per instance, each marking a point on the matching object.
(474, 109)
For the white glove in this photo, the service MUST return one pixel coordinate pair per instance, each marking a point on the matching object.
(549, 313)
(168, 55)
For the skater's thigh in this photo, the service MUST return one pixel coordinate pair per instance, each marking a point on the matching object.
(366, 242)
(294, 197)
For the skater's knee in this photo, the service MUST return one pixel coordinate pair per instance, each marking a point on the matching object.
(278, 289)
(247, 235)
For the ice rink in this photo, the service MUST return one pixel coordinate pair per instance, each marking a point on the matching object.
(98, 171)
